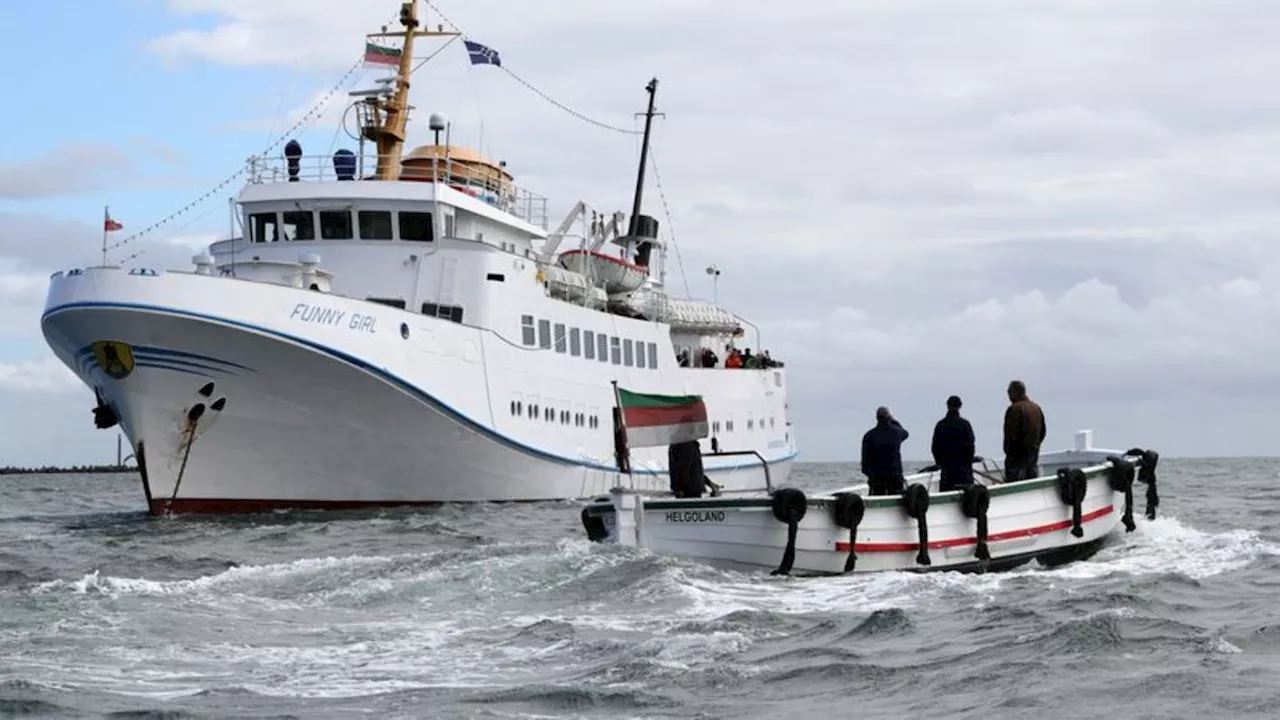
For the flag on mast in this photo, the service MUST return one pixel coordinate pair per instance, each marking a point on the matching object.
(379, 55)
(108, 223)
(654, 420)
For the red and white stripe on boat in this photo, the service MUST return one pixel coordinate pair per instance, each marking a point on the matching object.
(991, 537)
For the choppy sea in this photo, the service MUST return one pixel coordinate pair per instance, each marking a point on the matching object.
(508, 612)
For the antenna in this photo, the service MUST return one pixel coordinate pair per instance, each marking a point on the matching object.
(388, 116)
(652, 89)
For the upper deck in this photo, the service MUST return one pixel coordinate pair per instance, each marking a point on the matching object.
(477, 185)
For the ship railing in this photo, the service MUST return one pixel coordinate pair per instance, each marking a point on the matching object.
(522, 203)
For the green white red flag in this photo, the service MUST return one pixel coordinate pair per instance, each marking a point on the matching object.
(654, 420)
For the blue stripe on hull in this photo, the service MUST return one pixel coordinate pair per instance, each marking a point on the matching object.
(390, 378)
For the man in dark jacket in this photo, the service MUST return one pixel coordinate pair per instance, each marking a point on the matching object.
(882, 454)
(1024, 429)
(953, 448)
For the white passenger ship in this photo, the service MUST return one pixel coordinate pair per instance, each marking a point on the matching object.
(410, 335)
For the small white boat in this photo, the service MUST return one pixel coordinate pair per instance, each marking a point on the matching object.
(1083, 495)
(617, 274)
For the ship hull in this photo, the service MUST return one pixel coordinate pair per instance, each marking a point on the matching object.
(235, 414)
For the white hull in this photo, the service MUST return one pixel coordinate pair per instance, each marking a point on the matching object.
(1025, 520)
(323, 415)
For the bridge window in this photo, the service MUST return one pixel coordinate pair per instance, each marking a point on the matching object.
(392, 302)
(264, 228)
(560, 339)
(375, 224)
(299, 225)
(653, 355)
(335, 224)
(415, 226)
(575, 342)
(527, 335)
(444, 312)
(544, 334)
(615, 350)
(602, 347)
(626, 353)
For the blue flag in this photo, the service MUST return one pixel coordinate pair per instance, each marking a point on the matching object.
(482, 55)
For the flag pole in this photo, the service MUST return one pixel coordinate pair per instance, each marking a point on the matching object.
(106, 217)
(621, 448)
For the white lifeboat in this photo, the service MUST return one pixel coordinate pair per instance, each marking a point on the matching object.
(618, 275)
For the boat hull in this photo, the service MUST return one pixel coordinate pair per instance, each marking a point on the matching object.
(1026, 521)
(294, 421)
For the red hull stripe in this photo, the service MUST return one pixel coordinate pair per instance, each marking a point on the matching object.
(221, 506)
(637, 417)
(961, 541)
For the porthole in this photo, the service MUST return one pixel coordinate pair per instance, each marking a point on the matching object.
(404, 330)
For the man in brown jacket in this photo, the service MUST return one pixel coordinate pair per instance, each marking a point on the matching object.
(1024, 428)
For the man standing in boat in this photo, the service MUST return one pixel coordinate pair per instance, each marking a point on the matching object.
(953, 448)
(882, 454)
(1024, 430)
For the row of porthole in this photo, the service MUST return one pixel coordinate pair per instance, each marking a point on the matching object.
(751, 425)
(565, 417)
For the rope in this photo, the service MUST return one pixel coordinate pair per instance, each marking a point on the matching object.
(671, 230)
(538, 92)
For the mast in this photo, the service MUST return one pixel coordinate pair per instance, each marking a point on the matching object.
(387, 128)
(652, 89)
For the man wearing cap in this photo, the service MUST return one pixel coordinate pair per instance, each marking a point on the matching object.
(882, 454)
(953, 448)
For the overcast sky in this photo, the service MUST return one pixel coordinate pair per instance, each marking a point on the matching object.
(909, 199)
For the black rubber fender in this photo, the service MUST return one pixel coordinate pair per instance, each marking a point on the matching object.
(915, 499)
(1120, 477)
(847, 511)
(594, 525)
(1072, 487)
(975, 500)
(1148, 459)
(789, 505)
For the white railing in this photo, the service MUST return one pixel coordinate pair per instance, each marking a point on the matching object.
(523, 204)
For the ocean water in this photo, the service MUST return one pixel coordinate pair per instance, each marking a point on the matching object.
(508, 612)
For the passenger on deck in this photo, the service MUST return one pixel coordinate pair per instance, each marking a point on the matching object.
(749, 361)
(767, 361)
(882, 454)
(684, 467)
(1024, 430)
(709, 358)
(953, 448)
(682, 358)
(734, 360)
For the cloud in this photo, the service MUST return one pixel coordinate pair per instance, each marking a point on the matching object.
(64, 171)
(46, 375)
(908, 198)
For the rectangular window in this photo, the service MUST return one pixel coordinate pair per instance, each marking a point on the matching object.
(430, 309)
(375, 224)
(653, 355)
(299, 225)
(640, 354)
(588, 345)
(575, 342)
(627, 358)
(615, 350)
(448, 226)
(392, 302)
(544, 334)
(560, 339)
(602, 347)
(335, 224)
(455, 313)
(527, 335)
(415, 226)
(263, 227)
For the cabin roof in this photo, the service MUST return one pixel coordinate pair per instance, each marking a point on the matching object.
(407, 192)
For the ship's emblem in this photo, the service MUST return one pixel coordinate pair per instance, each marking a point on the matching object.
(114, 357)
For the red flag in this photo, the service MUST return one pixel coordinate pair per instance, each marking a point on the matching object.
(108, 224)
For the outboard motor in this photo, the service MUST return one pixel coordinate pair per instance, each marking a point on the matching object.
(292, 152)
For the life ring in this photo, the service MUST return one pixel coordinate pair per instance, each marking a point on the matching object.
(847, 511)
(974, 502)
(915, 499)
(789, 506)
(1072, 487)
